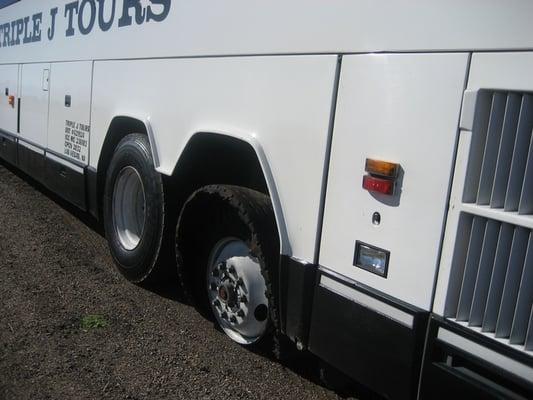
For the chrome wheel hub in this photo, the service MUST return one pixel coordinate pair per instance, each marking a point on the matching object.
(237, 291)
(129, 205)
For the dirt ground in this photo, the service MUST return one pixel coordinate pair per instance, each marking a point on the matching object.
(55, 271)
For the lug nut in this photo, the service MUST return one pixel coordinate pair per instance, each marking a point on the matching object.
(233, 320)
(244, 299)
(240, 313)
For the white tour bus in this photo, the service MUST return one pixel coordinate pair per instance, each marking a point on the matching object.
(350, 177)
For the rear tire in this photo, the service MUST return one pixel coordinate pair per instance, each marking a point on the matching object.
(228, 252)
(134, 208)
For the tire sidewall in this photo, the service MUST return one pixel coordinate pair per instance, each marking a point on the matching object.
(136, 264)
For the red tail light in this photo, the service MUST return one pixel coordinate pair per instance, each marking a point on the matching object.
(379, 185)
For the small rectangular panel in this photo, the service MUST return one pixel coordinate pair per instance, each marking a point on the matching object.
(66, 179)
(8, 148)
(505, 152)
(31, 160)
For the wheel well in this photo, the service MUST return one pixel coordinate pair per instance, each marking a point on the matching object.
(216, 159)
(118, 129)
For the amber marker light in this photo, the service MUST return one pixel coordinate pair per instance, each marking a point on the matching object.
(11, 101)
(383, 169)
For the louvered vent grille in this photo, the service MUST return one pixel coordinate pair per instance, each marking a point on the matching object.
(495, 293)
(500, 168)
(491, 276)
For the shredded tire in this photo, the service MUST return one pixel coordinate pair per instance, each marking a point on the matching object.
(216, 211)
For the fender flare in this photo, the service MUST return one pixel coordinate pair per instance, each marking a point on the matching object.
(253, 142)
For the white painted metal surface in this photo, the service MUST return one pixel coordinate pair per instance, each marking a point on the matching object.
(34, 119)
(281, 105)
(68, 125)
(403, 109)
(8, 87)
(207, 27)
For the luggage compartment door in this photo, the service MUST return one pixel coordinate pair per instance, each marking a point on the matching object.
(34, 103)
(404, 109)
(35, 83)
(67, 154)
(9, 98)
(8, 111)
(70, 107)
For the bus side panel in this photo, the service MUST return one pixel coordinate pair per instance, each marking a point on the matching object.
(400, 108)
(281, 103)
(8, 111)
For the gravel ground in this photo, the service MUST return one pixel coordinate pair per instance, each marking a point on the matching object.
(55, 270)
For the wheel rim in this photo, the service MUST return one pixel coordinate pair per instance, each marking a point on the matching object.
(129, 207)
(237, 291)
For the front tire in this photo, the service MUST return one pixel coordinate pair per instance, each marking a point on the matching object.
(134, 208)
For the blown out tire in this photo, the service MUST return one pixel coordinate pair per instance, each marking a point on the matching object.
(228, 250)
(134, 211)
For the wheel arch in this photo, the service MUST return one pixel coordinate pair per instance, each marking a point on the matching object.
(119, 127)
(253, 159)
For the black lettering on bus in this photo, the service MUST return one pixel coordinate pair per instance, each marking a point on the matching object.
(7, 36)
(140, 13)
(102, 23)
(70, 8)
(28, 36)
(92, 6)
(158, 17)
(13, 29)
(52, 28)
(20, 30)
(37, 20)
